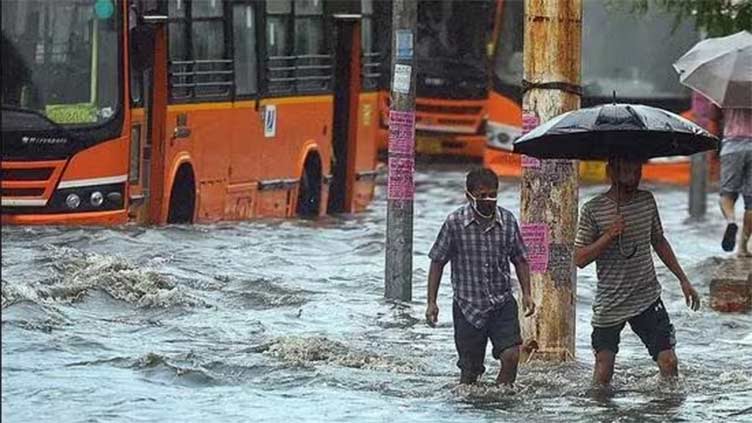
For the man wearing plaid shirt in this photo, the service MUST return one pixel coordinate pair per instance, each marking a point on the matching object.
(480, 239)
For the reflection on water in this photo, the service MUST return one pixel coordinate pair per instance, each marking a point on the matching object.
(278, 320)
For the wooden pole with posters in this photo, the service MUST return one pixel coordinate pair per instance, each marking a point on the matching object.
(401, 187)
(550, 187)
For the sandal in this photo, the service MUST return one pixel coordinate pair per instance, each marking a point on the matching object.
(729, 237)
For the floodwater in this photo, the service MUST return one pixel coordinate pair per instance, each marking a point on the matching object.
(285, 321)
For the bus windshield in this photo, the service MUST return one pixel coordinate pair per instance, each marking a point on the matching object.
(60, 59)
(453, 31)
(622, 51)
(507, 64)
(632, 54)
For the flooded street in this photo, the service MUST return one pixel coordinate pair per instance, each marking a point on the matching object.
(285, 321)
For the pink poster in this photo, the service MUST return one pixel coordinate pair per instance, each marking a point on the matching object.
(530, 121)
(535, 236)
(528, 161)
(401, 185)
(401, 132)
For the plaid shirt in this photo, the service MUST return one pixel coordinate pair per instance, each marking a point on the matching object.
(480, 260)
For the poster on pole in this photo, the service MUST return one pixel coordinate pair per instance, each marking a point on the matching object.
(401, 133)
(401, 185)
(530, 121)
(536, 238)
(404, 44)
(401, 78)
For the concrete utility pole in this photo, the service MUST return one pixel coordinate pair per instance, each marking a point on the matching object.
(698, 196)
(401, 186)
(550, 187)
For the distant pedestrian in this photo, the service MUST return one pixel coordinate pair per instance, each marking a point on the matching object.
(480, 239)
(627, 288)
(736, 177)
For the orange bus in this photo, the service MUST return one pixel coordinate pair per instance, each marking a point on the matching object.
(186, 110)
(451, 53)
(633, 58)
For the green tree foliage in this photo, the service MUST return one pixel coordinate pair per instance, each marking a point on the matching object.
(716, 17)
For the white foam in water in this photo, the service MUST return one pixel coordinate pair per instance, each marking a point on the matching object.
(81, 272)
(315, 350)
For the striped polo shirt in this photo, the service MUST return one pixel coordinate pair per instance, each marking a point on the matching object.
(626, 287)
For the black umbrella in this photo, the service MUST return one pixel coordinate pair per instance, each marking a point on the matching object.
(615, 130)
(630, 131)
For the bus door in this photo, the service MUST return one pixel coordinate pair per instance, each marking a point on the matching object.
(148, 82)
(346, 93)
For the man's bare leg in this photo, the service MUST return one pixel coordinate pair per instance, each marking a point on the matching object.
(727, 203)
(508, 372)
(468, 379)
(604, 368)
(746, 235)
(668, 364)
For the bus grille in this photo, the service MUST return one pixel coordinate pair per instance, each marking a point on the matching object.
(35, 181)
(450, 117)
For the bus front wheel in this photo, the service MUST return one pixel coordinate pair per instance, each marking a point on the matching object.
(183, 196)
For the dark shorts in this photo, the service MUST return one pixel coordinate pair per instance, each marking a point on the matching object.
(652, 326)
(736, 169)
(502, 327)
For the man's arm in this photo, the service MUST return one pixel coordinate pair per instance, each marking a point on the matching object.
(522, 268)
(435, 271)
(667, 256)
(585, 255)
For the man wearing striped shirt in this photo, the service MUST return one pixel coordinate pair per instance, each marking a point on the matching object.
(628, 288)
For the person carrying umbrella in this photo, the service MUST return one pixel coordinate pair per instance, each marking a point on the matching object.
(736, 177)
(627, 288)
(721, 70)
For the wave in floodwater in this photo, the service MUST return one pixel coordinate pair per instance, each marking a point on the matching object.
(79, 273)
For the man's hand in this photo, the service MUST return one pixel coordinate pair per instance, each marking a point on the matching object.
(690, 295)
(528, 305)
(616, 228)
(432, 314)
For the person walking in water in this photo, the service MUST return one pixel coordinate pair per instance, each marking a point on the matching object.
(480, 239)
(736, 177)
(627, 288)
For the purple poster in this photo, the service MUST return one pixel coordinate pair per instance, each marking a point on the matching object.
(401, 185)
(401, 133)
(535, 236)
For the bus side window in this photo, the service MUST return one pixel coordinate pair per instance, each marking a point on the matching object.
(136, 88)
(244, 41)
(212, 68)
(180, 81)
(279, 54)
(371, 56)
(309, 47)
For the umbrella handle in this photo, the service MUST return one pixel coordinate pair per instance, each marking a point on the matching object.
(625, 254)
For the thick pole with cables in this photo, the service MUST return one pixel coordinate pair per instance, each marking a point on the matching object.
(550, 187)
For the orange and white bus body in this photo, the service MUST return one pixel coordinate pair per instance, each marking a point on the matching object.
(244, 109)
(451, 57)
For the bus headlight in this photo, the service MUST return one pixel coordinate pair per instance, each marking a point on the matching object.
(96, 199)
(72, 201)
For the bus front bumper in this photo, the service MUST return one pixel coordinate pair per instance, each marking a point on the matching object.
(103, 218)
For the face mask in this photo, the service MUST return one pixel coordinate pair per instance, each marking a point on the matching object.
(484, 206)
